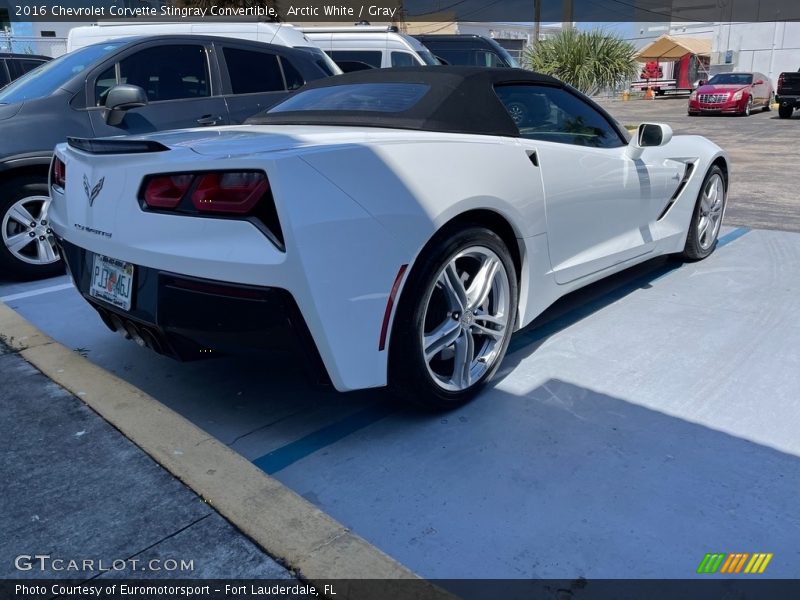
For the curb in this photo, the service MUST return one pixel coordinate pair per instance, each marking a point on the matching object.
(290, 529)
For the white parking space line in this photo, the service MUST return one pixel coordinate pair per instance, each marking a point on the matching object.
(39, 292)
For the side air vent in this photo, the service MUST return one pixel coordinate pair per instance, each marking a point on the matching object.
(686, 175)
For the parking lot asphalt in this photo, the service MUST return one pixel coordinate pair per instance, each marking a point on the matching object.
(76, 489)
(762, 147)
(652, 415)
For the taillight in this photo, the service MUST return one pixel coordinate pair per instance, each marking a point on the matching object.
(166, 191)
(58, 174)
(215, 193)
(780, 81)
(232, 193)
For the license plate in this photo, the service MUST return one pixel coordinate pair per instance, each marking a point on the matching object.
(112, 281)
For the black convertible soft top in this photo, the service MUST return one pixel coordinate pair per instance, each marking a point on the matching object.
(459, 100)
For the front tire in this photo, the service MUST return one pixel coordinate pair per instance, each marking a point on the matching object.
(28, 248)
(707, 217)
(454, 320)
(748, 108)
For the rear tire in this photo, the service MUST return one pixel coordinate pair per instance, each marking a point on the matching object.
(28, 249)
(454, 319)
(785, 112)
(706, 221)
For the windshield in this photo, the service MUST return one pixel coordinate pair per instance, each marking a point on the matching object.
(372, 97)
(731, 79)
(427, 57)
(324, 61)
(512, 62)
(52, 75)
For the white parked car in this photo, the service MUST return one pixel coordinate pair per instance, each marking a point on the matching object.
(403, 222)
(370, 45)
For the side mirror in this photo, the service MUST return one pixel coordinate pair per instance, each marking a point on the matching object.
(701, 82)
(120, 99)
(649, 135)
(759, 82)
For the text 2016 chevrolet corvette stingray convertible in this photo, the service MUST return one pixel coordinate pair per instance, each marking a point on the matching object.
(402, 223)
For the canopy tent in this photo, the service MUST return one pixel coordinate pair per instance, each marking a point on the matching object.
(672, 48)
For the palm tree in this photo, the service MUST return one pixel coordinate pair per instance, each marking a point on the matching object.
(588, 60)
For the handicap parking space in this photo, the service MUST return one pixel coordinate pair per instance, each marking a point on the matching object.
(652, 414)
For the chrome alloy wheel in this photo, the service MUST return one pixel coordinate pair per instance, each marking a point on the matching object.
(26, 231)
(467, 314)
(712, 206)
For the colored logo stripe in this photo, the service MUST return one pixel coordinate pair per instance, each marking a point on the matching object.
(733, 563)
(710, 563)
(758, 563)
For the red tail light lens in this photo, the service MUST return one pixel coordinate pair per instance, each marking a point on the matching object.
(58, 176)
(243, 194)
(166, 191)
(232, 193)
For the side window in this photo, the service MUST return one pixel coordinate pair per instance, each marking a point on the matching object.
(3, 74)
(294, 79)
(555, 115)
(370, 57)
(168, 72)
(252, 72)
(487, 58)
(20, 66)
(104, 82)
(403, 59)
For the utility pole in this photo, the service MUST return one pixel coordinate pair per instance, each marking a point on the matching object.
(567, 18)
(537, 21)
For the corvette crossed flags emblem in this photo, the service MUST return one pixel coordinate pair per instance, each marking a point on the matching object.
(92, 192)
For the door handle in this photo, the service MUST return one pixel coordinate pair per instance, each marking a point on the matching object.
(209, 120)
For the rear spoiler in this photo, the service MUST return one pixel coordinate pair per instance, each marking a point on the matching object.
(110, 146)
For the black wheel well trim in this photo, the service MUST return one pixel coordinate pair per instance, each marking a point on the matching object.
(25, 167)
(495, 222)
(723, 165)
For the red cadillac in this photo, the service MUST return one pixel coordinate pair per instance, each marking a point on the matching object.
(734, 93)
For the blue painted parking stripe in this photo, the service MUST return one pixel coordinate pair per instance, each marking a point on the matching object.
(287, 455)
(290, 453)
(732, 236)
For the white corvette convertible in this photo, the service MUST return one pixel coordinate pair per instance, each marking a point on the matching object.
(401, 223)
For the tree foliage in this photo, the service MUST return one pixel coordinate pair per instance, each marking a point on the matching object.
(588, 60)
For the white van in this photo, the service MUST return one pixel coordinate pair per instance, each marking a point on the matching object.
(281, 34)
(376, 46)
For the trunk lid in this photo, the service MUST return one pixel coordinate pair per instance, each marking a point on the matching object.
(255, 139)
(789, 84)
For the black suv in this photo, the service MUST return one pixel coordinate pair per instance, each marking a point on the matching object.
(120, 87)
(14, 66)
(467, 49)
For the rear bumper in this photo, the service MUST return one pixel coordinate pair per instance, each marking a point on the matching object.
(793, 101)
(190, 318)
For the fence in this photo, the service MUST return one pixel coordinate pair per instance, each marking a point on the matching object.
(46, 46)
